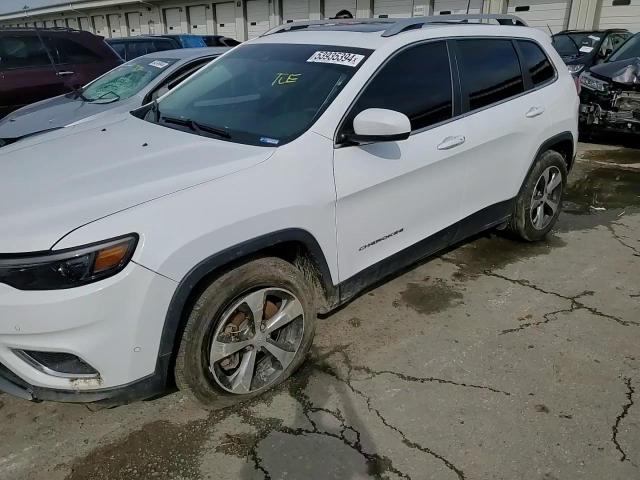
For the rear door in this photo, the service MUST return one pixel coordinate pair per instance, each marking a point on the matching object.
(393, 195)
(133, 23)
(77, 65)
(198, 20)
(26, 72)
(100, 26)
(173, 21)
(257, 17)
(507, 117)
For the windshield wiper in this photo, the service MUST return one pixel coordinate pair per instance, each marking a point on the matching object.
(197, 127)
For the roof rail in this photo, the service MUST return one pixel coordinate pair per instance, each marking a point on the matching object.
(399, 25)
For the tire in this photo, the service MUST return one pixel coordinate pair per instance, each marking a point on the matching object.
(528, 222)
(223, 319)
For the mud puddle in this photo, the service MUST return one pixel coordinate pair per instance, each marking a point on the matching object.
(623, 156)
(602, 188)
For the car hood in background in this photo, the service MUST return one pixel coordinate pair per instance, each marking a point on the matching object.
(56, 112)
(55, 182)
(626, 72)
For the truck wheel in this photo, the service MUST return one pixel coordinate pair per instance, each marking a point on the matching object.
(247, 332)
(540, 199)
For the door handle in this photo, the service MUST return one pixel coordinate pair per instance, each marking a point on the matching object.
(64, 73)
(451, 142)
(534, 112)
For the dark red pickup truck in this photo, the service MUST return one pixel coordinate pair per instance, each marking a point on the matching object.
(38, 64)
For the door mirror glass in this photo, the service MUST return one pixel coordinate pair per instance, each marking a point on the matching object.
(380, 125)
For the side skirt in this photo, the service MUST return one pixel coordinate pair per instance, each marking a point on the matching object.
(396, 264)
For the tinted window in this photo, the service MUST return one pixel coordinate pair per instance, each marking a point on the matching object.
(416, 82)
(490, 71)
(629, 49)
(72, 52)
(22, 51)
(136, 49)
(160, 45)
(120, 49)
(536, 62)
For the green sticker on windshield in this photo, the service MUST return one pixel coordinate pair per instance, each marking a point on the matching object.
(286, 78)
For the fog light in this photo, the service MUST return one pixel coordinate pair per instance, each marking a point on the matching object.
(58, 364)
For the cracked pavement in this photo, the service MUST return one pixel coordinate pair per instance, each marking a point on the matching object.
(495, 359)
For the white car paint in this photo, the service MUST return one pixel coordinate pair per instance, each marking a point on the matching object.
(189, 197)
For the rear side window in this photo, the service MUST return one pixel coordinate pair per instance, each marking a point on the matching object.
(489, 70)
(536, 62)
(416, 82)
(72, 52)
(161, 45)
(22, 51)
(120, 49)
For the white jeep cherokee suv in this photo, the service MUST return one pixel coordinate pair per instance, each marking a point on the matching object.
(198, 237)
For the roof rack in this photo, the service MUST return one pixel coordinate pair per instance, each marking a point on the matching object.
(396, 26)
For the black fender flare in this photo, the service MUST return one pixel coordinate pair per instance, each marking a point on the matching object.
(217, 261)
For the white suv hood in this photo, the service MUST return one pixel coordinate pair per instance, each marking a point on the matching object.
(55, 182)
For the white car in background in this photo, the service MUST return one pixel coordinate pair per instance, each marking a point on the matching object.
(122, 89)
(198, 237)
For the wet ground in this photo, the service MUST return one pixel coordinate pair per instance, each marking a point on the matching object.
(496, 359)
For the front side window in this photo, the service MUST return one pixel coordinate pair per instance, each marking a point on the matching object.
(489, 71)
(22, 51)
(629, 49)
(126, 80)
(416, 82)
(535, 60)
(264, 94)
(74, 53)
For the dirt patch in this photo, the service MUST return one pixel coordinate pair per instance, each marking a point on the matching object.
(160, 449)
(623, 156)
(239, 445)
(430, 298)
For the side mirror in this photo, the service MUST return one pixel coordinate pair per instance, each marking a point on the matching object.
(380, 125)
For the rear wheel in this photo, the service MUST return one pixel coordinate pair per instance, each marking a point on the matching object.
(248, 332)
(539, 202)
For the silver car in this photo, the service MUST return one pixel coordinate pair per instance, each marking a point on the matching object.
(126, 87)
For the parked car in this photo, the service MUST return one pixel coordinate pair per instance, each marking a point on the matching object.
(133, 47)
(124, 88)
(38, 64)
(610, 92)
(581, 49)
(219, 41)
(200, 236)
(187, 41)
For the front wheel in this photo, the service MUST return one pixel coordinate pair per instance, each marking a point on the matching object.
(538, 204)
(247, 332)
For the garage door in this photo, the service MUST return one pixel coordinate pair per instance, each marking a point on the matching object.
(172, 19)
(226, 20)
(49, 24)
(61, 23)
(449, 7)
(85, 24)
(257, 17)
(72, 23)
(392, 8)
(545, 15)
(133, 24)
(114, 25)
(620, 14)
(198, 20)
(332, 7)
(100, 26)
(294, 10)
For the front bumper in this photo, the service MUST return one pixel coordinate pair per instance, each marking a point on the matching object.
(113, 325)
(617, 111)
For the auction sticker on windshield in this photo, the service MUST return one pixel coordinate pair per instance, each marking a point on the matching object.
(338, 58)
(158, 64)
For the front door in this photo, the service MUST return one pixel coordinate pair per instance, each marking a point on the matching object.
(393, 195)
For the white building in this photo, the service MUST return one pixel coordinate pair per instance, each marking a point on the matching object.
(245, 19)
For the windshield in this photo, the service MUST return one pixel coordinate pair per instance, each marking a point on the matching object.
(192, 41)
(265, 94)
(126, 80)
(581, 43)
(629, 49)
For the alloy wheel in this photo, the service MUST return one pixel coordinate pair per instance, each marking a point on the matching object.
(546, 197)
(256, 340)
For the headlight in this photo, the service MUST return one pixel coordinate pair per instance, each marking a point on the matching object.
(67, 268)
(593, 83)
(575, 69)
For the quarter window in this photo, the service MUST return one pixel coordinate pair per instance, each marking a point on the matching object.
(22, 51)
(536, 62)
(489, 70)
(416, 82)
